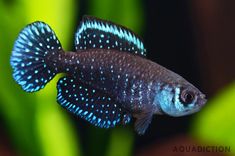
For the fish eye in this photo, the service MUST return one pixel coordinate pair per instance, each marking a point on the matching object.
(187, 97)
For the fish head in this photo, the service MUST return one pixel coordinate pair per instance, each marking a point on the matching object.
(179, 99)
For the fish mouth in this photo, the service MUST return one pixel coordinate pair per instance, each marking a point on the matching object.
(202, 100)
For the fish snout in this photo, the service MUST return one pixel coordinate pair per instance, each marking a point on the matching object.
(202, 100)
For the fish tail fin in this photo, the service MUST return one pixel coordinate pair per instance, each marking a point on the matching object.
(29, 55)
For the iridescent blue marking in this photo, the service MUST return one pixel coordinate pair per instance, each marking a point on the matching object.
(29, 54)
(107, 36)
(171, 107)
(90, 103)
(104, 87)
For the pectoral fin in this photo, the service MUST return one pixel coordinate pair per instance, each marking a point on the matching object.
(142, 122)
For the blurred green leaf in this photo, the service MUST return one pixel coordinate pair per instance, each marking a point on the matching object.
(15, 106)
(121, 142)
(53, 128)
(129, 13)
(59, 14)
(35, 121)
(216, 122)
(56, 134)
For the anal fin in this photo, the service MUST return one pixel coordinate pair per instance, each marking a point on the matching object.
(98, 108)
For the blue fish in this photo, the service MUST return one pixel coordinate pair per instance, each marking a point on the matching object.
(108, 80)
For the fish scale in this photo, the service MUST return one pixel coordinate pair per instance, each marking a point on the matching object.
(97, 69)
(108, 79)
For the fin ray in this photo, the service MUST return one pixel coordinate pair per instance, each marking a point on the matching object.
(90, 104)
(30, 50)
(100, 34)
(142, 122)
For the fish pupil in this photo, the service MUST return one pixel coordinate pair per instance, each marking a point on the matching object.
(186, 97)
(189, 98)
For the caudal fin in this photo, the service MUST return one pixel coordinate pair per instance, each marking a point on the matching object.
(29, 53)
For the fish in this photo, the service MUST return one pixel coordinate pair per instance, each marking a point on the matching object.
(108, 80)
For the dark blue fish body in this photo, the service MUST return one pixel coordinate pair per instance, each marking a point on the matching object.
(108, 79)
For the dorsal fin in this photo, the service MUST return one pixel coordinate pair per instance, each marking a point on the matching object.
(96, 33)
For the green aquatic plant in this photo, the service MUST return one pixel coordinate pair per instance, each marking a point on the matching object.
(35, 123)
(131, 14)
(216, 123)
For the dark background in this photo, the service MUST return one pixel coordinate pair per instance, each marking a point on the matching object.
(194, 39)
